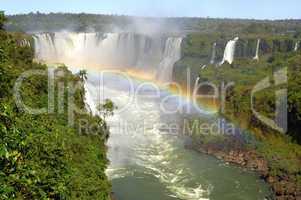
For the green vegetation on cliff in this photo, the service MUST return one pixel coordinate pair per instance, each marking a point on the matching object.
(41, 156)
(281, 151)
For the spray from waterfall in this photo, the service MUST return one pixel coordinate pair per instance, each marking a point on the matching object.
(229, 51)
(110, 50)
(256, 57)
(153, 55)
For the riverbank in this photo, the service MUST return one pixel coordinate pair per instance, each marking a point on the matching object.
(284, 187)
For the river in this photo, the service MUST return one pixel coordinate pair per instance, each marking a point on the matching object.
(148, 158)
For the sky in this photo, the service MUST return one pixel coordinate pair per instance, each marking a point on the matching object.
(252, 9)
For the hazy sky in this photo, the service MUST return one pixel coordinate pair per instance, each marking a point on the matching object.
(259, 9)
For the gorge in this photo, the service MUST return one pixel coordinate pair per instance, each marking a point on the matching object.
(149, 108)
(144, 152)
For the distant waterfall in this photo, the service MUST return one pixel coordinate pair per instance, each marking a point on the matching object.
(212, 61)
(256, 57)
(229, 51)
(297, 46)
(108, 50)
(172, 53)
(24, 43)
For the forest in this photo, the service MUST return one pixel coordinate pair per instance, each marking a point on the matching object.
(41, 156)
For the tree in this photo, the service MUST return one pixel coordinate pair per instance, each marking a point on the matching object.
(2, 19)
(106, 109)
(83, 75)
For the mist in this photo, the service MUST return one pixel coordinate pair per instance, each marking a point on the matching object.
(141, 45)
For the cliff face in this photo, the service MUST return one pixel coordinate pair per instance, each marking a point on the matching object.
(211, 47)
(246, 48)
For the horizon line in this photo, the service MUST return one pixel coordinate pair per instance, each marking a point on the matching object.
(153, 17)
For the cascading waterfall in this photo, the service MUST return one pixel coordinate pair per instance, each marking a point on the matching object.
(172, 54)
(89, 102)
(95, 49)
(297, 46)
(212, 61)
(24, 43)
(256, 57)
(110, 50)
(229, 51)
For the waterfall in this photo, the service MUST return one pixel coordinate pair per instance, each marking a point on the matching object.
(45, 48)
(297, 46)
(110, 50)
(89, 101)
(256, 57)
(229, 51)
(172, 53)
(212, 61)
(24, 43)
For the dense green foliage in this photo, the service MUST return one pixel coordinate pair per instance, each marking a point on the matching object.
(281, 151)
(87, 22)
(245, 72)
(41, 156)
(197, 51)
(2, 19)
(106, 109)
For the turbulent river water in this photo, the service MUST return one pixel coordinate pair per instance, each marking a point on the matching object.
(148, 158)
